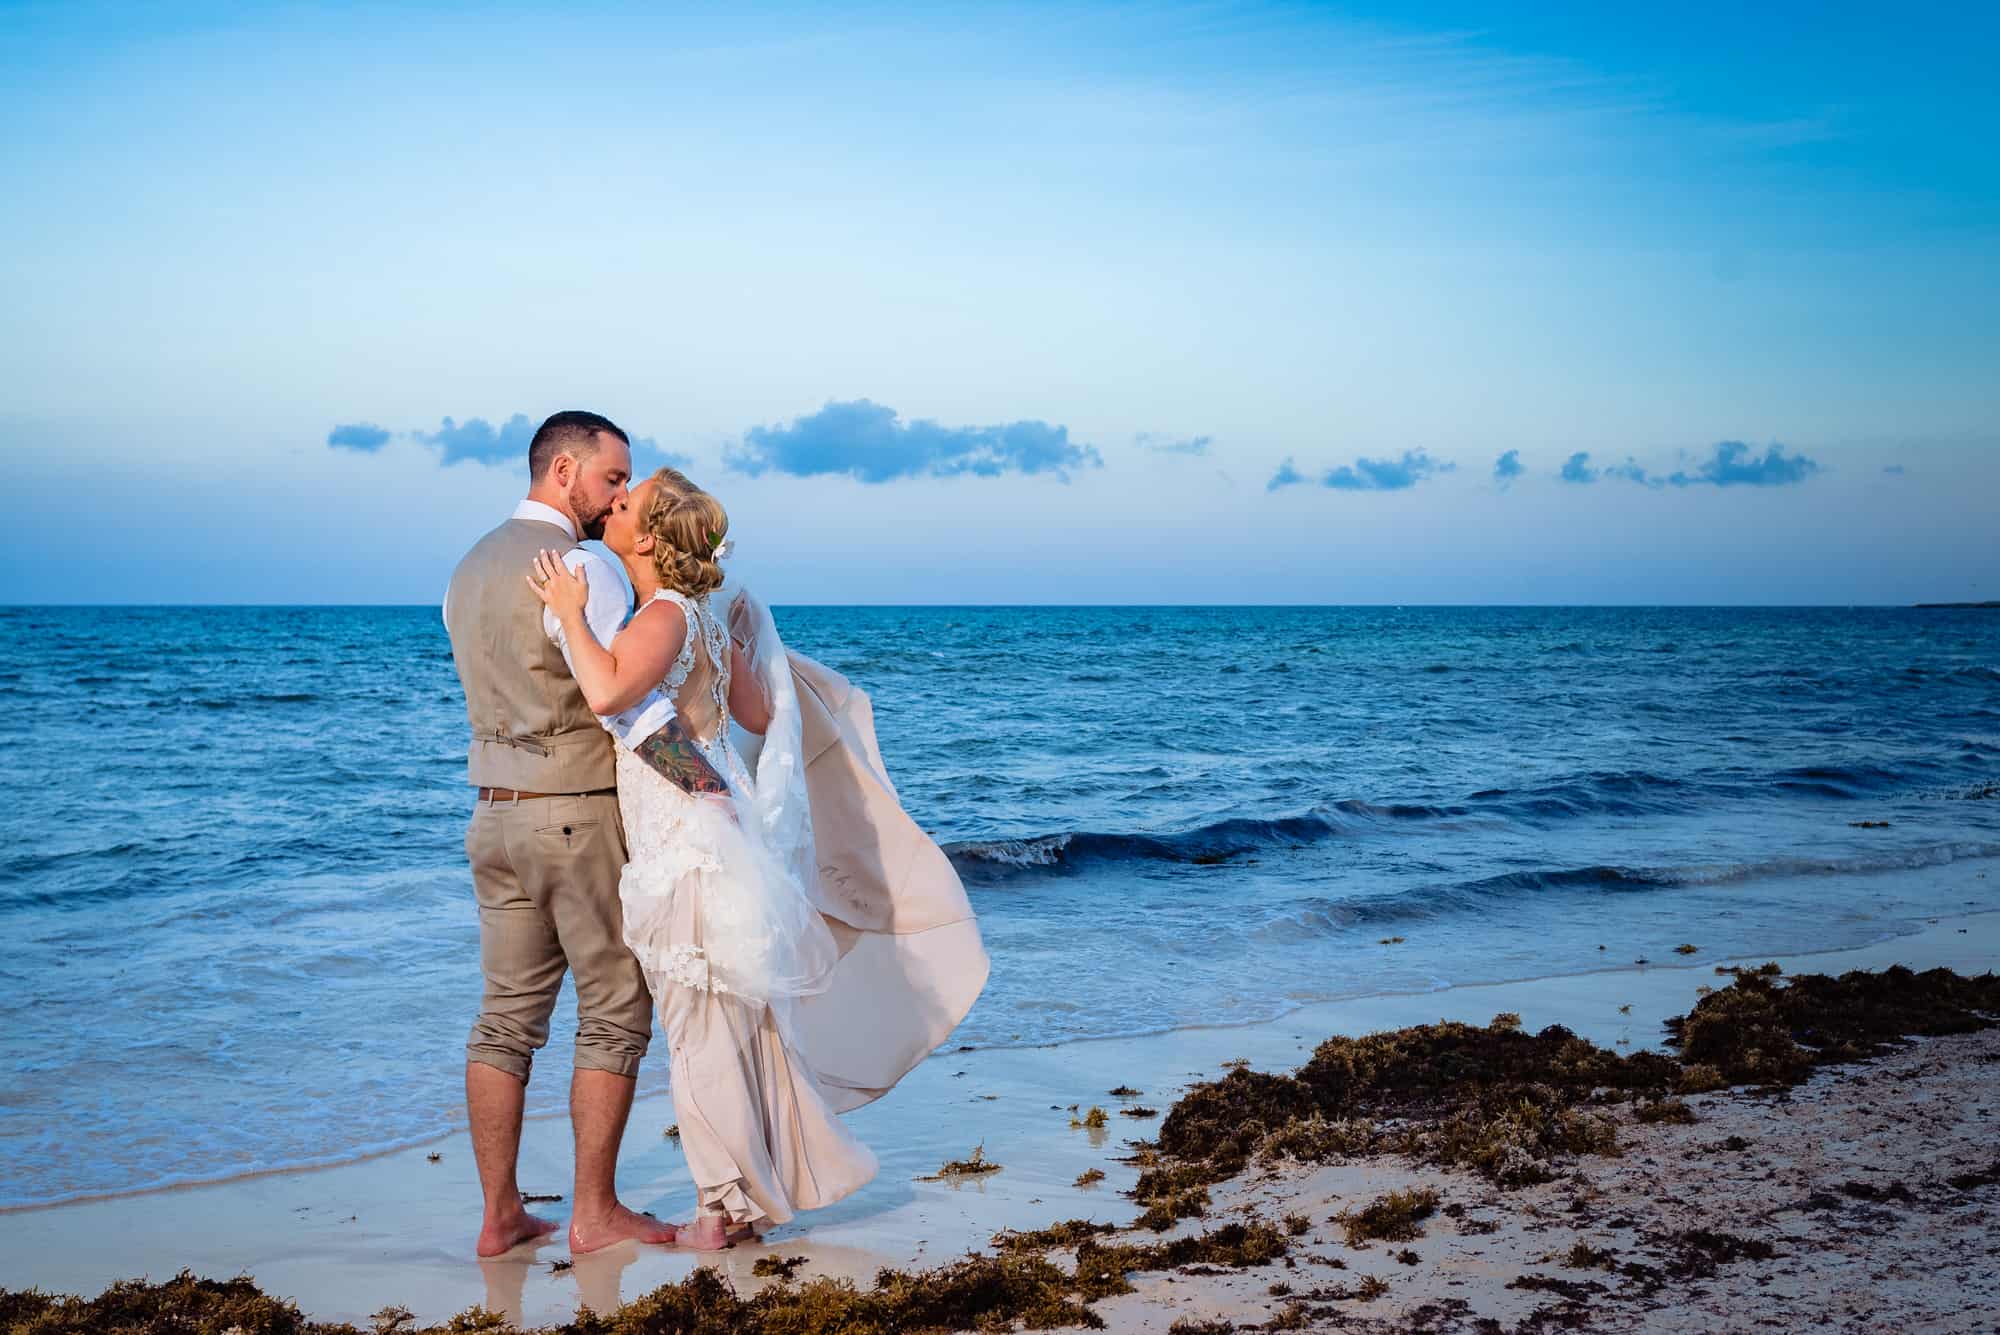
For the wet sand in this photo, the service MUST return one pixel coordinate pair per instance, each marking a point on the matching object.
(347, 1241)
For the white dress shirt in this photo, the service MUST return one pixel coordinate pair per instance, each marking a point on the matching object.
(609, 601)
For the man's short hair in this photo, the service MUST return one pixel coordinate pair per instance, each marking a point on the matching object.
(573, 433)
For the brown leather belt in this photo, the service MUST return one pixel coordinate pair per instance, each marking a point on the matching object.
(510, 795)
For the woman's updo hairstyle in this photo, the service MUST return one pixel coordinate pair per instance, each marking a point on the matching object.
(687, 525)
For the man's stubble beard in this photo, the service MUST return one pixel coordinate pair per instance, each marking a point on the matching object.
(589, 525)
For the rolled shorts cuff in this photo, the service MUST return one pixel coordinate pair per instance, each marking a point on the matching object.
(512, 1063)
(618, 1063)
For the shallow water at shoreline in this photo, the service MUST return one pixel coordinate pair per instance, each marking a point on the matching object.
(242, 917)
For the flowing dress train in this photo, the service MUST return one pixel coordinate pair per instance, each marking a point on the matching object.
(721, 908)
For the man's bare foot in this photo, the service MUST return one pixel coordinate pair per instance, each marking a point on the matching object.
(589, 1235)
(504, 1232)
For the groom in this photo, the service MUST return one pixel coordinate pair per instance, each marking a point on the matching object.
(546, 843)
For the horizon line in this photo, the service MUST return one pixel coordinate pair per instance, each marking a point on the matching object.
(1947, 605)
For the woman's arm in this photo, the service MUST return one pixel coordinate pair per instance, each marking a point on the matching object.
(617, 678)
(748, 703)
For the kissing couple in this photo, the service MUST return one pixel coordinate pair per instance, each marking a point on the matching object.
(694, 822)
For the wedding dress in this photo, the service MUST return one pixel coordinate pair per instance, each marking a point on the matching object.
(724, 909)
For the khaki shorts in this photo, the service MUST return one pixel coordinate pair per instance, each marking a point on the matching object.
(545, 871)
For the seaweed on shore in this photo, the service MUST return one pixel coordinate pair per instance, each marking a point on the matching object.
(1171, 1192)
(1508, 1104)
(1700, 1250)
(1981, 1177)
(1493, 1098)
(1066, 1234)
(1583, 1256)
(974, 1166)
(1396, 1217)
(184, 1302)
(1758, 1031)
(1101, 1267)
(974, 1292)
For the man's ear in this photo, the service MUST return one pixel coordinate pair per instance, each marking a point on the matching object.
(562, 470)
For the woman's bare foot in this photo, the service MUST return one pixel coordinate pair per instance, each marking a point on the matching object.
(589, 1235)
(708, 1233)
(509, 1229)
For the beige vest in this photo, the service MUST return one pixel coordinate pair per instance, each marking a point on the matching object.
(531, 730)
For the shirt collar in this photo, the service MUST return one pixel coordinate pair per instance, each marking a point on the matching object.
(547, 514)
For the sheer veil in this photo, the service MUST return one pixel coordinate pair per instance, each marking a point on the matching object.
(761, 924)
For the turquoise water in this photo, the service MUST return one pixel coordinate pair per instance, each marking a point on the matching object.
(241, 932)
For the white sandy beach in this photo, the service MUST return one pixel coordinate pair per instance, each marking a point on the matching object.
(347, 1241)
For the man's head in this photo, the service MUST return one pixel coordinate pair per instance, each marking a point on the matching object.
(579, 463)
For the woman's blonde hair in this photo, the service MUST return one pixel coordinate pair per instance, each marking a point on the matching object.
(687, 525)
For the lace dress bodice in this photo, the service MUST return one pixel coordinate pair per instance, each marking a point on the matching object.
(697, 685)
(673, 839)
(695, 689)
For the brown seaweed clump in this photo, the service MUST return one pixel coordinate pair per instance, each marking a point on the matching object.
(1066, 1234)
(183, 1303)
(1759, 1031)
(1172, 1192)
(976, 1165)
(1396, 1217)
(1316, 1139)
(1495, 1099)
(1101, 1267)
(1583, 1256)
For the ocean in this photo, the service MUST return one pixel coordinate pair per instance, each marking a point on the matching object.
(241, 935)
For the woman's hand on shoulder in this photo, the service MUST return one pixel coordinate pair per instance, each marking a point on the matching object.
(562, 591)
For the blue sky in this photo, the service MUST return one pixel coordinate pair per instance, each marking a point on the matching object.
(1141, 303)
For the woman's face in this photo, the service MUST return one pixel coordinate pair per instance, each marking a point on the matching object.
(621, 525)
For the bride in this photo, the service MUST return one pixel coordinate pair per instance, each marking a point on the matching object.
(722, 893)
